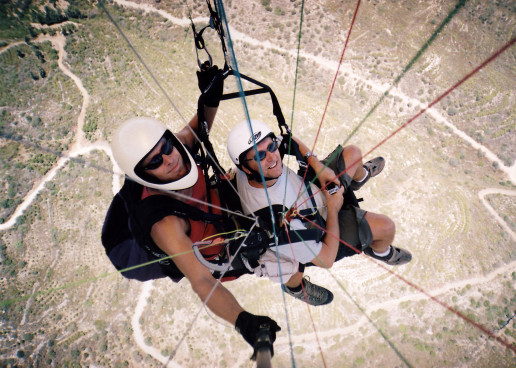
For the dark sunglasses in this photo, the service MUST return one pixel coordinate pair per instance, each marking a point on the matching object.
(157, 160)
(262, 154)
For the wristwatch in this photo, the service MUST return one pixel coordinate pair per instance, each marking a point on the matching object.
(308, 154)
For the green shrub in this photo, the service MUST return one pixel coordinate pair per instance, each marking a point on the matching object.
(278, 11)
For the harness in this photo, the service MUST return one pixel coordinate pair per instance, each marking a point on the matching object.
(126, 232)
(261, 237)
(128, 245)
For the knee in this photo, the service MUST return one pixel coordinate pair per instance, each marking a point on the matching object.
(381, 226)
(351, 153)
(389, 226)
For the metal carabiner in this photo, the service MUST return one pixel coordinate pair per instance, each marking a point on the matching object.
(200, 45)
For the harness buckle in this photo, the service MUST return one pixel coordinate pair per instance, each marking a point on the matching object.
(291, 214)
(302, 165)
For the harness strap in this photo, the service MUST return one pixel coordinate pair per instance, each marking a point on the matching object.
(130, 195)
(256, 243)
(174, 207)
(264, 214)
(316, 215)
(200, 45)
(216, 23)
(276, 108)
(289, 146)
(295, 236)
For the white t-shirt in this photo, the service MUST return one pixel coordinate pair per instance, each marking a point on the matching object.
(254, 199)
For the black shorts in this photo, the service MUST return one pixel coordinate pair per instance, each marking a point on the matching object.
(353, 227)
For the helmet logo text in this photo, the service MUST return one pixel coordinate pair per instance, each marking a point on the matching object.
(256, 137)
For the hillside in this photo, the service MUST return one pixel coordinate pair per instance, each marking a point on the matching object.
(68, 79)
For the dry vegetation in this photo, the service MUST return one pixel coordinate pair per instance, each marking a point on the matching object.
(60, 309)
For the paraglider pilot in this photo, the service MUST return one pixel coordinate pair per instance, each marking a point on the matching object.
(161, 161)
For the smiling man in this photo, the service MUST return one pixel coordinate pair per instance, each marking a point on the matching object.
(162, 163)
(365, 231)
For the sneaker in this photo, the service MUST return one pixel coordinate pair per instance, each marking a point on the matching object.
(373, 168)
(315, 295)
(396, 257)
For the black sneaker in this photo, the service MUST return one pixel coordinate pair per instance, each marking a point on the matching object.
(315, 295)
(396, 257)
(373, 167)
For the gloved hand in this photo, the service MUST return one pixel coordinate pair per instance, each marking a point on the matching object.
(249, 325)
(211, 84)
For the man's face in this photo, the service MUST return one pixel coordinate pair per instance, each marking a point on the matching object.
(271, 164)
(172, 168)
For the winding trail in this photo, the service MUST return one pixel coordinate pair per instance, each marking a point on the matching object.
(11, 45)
(138, 333)
(81, 146)
(59, 42)
(485, 192)
(379, 88)
(393, 304)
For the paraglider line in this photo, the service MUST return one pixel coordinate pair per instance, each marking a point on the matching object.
(289, 149)
(220, 7)
(384, 336)
(205, 302)
(446, 93)
(305, 296)
(7, 302)
(459, 5)
(421, 290)
(333, 85)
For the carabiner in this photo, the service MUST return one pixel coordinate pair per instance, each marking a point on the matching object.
(200, 45)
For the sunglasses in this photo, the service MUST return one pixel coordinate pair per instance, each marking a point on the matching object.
(262, 154)
(157, 160)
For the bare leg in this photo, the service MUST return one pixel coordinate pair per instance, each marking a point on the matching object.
(295, 280)
(383, 230)
(353, 156)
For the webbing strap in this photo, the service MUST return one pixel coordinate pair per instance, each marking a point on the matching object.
(276, 108)
(317, 216)
(287, 236)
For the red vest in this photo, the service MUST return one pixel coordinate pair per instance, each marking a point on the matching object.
(200, 230)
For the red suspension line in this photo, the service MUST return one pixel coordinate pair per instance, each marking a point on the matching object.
(438, 99)
(333, 84)
(420, 289)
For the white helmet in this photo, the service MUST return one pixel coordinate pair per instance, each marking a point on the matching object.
(135, 139)
(240, 139)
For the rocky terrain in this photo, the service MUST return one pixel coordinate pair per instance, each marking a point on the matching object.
(68, 79)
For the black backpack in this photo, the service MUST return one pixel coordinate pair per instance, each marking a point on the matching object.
(129, 247)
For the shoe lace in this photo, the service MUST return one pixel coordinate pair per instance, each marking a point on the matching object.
(312, 291)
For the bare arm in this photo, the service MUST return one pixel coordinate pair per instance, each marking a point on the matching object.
(327, 175)
(328, 253)
(330, 241)
(170, 235)
(187, 136)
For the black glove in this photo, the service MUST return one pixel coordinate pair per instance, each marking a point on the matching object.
(211, 84)
(251, 327)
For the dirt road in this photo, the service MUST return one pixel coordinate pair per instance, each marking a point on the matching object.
(81, 146)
